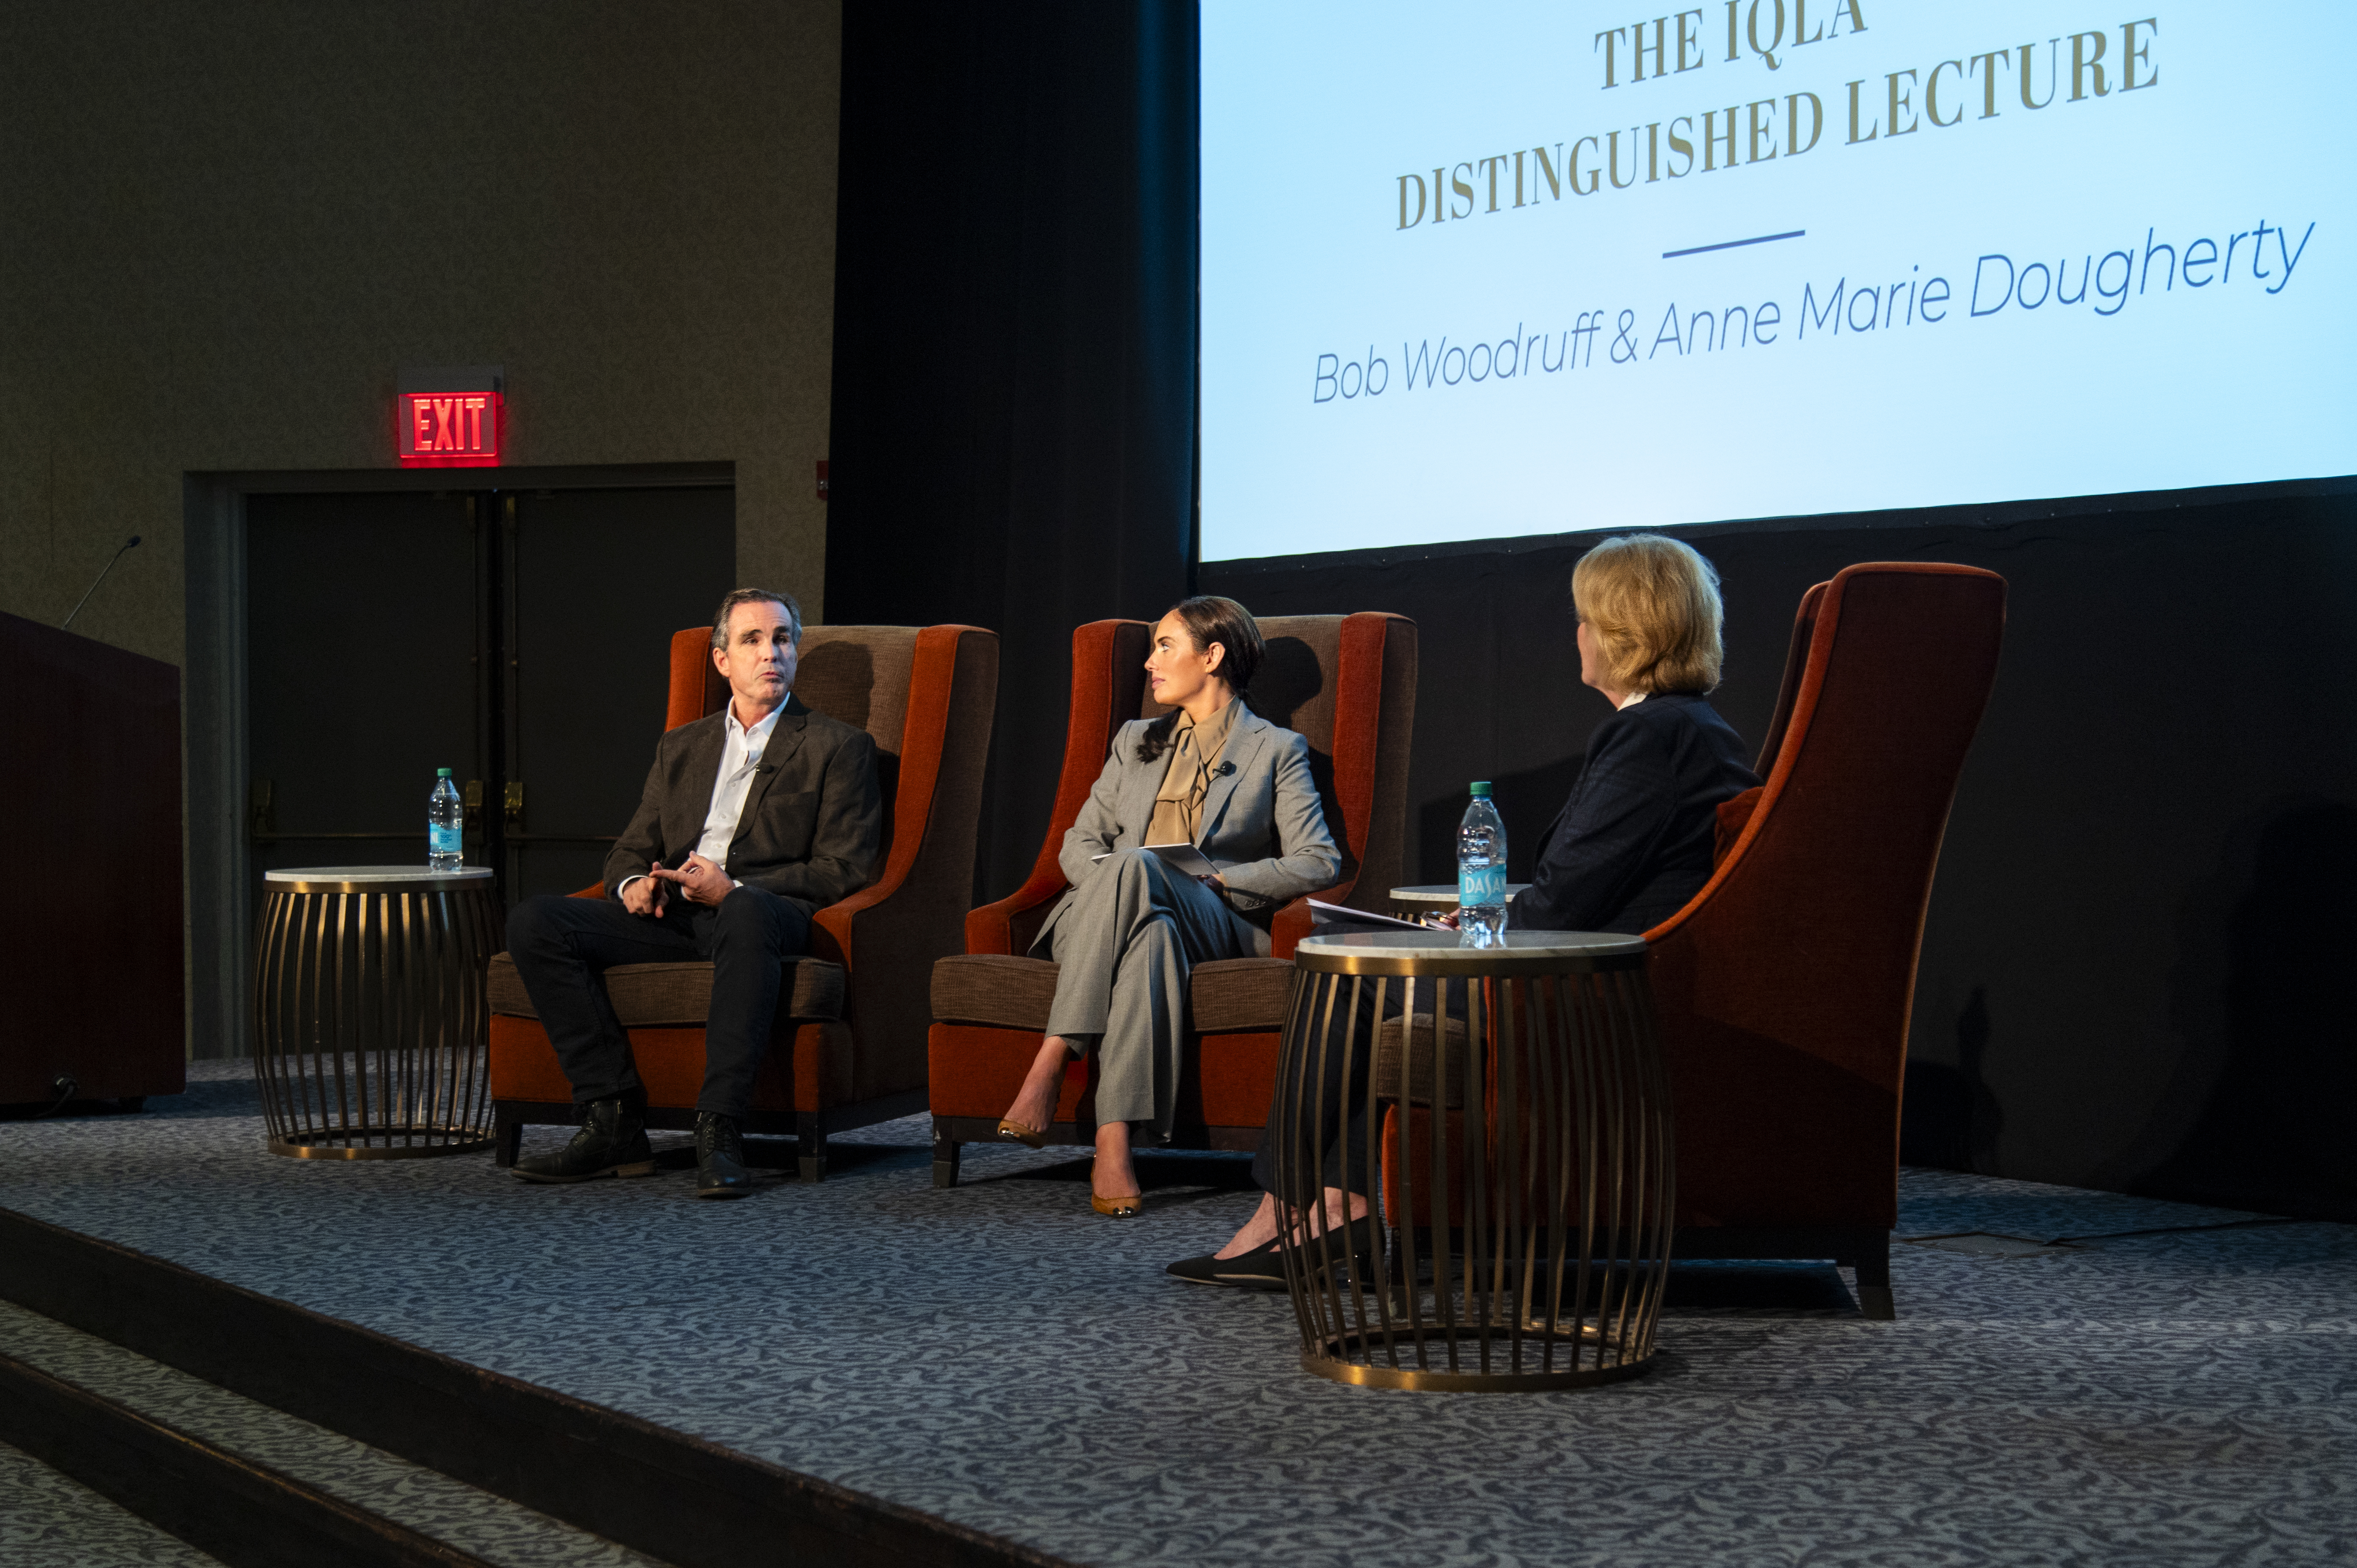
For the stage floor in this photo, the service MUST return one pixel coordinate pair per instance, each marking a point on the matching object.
(1000, 1357)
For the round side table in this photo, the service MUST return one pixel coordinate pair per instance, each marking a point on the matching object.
(1435, 898)
(369, 1015)
(1515, 1129)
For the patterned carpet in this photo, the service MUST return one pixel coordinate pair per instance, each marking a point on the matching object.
(1000, 1356)
(424, 1500)
(48, 1520)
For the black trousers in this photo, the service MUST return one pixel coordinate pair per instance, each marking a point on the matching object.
(1342, 1157)
(562, 948)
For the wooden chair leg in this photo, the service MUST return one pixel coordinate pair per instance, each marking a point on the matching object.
(945, 1156)
(810, 1146)
(1874, 1301)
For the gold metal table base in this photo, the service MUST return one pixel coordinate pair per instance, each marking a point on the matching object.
(1517, 1155)
(1350, 1362)
(372, 1027)
(383, 1143)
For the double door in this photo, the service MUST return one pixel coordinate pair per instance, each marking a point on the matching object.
(518, 638)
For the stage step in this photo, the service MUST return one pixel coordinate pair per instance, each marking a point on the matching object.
(49, 1519)
(248, 1484)
(618, 1478)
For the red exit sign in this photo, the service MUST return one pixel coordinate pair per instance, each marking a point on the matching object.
(450, 419)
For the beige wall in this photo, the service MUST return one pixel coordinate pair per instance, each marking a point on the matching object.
(225, 227)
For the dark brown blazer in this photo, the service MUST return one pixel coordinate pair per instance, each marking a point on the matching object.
(814, 817)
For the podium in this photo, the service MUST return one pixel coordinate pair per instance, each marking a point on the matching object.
(91, 979)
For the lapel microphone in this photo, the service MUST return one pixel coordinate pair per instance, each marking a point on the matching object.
(1225, 768)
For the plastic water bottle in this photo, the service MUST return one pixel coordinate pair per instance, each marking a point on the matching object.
(1481, 873)
(445, 821)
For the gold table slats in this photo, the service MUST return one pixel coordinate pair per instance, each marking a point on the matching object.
(1525, 1210)
(371, 1028)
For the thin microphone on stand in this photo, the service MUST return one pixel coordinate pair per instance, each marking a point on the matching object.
(101, 577)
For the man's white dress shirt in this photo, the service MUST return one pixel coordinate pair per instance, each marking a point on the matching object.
(740, 758)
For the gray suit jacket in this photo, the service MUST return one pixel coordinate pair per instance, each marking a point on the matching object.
(1264, 825)
(813, 821)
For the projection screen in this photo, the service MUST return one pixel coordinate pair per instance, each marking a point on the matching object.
(1484, 270)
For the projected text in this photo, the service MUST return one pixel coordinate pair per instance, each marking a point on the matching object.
(1902, 102)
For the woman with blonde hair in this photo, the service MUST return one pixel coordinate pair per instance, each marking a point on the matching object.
(1630, 848)
(1210, 773)
(1633, 843)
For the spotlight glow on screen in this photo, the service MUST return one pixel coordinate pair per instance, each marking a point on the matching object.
(1481, 270)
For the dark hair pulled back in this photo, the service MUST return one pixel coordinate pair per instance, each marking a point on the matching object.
(1209, 619)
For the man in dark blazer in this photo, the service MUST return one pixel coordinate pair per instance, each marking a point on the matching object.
(752, 819)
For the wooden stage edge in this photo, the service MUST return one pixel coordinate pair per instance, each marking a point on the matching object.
(245, 1515)
(672, 1496)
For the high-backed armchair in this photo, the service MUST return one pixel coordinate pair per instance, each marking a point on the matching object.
(1345, 683)
(1783, 988)
(848, 1048)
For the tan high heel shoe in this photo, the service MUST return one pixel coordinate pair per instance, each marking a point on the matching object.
(1118, 1208)
(1016, 1133)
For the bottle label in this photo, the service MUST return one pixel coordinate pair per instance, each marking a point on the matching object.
(1479, 887)
(444, 841)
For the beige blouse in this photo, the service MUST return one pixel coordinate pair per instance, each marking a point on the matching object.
(1194, 752)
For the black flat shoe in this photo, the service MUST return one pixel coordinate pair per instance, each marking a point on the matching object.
(612, 1142)
(1263, 1267)
(720, 1170)
(1208, 1270)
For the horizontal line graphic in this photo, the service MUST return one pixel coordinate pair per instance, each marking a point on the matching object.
(1731, 244)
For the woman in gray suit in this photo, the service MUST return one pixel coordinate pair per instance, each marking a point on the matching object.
(1210, 773)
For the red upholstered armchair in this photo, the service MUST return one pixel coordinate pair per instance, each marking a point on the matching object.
(1784, 988)
(1345, 683)
(849, 1042)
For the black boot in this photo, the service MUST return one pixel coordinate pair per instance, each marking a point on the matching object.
(612, 1142)
(720, 1157)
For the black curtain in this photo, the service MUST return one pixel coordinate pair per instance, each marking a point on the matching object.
(2135, 972)
(1015, 345)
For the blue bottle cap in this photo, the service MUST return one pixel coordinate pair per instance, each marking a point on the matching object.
(1481, 787)
(441, 773)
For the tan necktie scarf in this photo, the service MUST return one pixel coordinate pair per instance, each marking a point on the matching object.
(1194, 752)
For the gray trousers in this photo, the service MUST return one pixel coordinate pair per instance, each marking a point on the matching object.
(1124, 940)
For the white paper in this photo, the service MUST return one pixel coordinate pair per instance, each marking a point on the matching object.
(1335, 914)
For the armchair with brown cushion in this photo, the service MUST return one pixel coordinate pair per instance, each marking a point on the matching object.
(1786, 985)
(1347, 684)
(848, 1046)
(1783, 988)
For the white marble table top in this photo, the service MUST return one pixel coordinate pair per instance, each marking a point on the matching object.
(1443, 893)
(414, 877)
(1443, 949)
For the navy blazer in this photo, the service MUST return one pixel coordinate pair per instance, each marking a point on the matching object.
(1633, 843)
